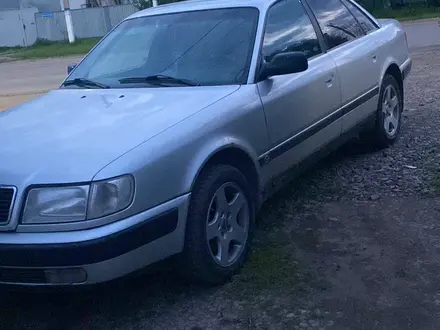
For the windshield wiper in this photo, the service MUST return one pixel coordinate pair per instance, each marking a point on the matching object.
(83, 82)
(160, 79)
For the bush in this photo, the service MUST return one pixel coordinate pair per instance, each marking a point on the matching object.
(144, 4)
(383, 4)
(372, 4)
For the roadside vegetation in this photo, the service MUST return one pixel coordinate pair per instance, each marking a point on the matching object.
(403, 10)
(47, 49)
(408, 13)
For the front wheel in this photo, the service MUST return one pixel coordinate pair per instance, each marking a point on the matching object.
(219, 225)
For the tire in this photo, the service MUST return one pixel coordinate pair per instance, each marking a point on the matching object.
(202, 257)
(380, 136)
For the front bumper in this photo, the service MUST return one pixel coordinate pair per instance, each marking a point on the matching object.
(94, 255)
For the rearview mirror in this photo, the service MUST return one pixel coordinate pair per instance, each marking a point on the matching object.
(285, 63)
(70, 68)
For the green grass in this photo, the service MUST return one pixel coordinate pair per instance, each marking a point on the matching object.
(46, 49)
(269, 268)
(409, 12)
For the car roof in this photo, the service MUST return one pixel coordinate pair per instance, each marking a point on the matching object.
(192, 5)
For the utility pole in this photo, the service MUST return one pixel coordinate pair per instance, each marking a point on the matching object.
(69, 24)
(154, 3)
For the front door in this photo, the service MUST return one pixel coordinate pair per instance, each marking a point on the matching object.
(300, 108)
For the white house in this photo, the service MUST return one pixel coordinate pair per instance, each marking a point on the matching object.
(55, 5)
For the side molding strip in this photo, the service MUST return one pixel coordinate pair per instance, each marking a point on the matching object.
(285, 146)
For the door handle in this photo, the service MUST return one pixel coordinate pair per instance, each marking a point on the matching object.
(329, 81)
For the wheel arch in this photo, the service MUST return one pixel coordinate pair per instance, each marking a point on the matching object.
(394, 70)
(237, 156)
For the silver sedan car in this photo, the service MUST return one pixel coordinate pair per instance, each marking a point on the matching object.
(169, 135)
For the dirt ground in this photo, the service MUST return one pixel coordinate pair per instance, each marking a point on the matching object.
(353, 244)
(22, 81)
(9, 101)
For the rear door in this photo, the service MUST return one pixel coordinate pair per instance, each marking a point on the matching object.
(354, 51)
(298, 107)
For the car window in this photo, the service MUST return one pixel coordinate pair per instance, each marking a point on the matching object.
(210, 47)
(337, 24)
(288, 29)
(366, 23)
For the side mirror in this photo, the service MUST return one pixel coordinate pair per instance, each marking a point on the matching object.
(285, 63)
(70, 68)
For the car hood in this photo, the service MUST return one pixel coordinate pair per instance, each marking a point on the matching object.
(68, 135)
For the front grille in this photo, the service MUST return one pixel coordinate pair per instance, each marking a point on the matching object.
(6, 198)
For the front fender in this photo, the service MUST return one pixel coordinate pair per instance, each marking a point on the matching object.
(210, 149)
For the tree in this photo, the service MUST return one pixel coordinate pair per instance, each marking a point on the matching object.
(379, 4)
(434, 2)
(143, 4)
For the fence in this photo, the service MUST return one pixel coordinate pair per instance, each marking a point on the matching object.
(87, 22)
(17, 27)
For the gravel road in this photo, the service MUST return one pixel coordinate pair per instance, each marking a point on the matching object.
(423, 33)
(353, 244)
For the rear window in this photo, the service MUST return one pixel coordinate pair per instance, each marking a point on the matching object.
(367, 25)
(337, 24)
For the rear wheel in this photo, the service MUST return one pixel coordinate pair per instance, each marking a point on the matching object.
(219, 226)
(388, 116)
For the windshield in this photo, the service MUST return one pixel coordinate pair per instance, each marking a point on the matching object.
(210, 47)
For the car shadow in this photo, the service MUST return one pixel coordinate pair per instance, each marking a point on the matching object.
(76, 307)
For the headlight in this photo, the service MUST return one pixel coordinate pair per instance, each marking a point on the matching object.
(61, 204)
(78, 203)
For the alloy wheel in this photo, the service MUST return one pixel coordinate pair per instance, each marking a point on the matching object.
(391, 111)
(227, 224)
